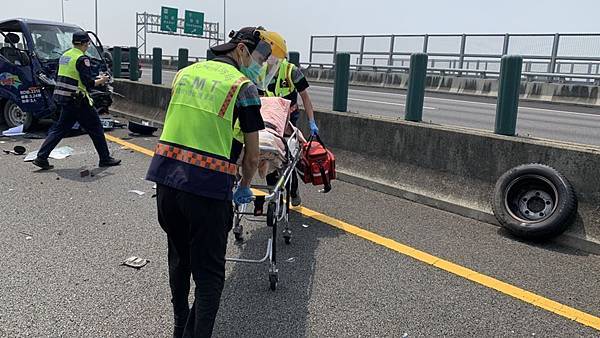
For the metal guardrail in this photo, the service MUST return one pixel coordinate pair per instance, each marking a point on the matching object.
(170, 59)
(578, 53)
(529, 76)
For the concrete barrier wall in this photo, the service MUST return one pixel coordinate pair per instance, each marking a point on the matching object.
(143, 100)
(580, 94)
(465, 153)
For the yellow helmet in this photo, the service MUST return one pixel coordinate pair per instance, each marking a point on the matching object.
(277, 42)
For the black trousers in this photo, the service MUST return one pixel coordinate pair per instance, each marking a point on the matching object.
(87, 118)
(197, 229)
(274, 176)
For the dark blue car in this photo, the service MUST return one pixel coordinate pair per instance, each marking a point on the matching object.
(29, 53)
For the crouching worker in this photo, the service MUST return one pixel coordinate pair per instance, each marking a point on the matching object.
(214, 112)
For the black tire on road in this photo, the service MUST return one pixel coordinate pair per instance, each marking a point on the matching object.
(15, 116)
(534, 201)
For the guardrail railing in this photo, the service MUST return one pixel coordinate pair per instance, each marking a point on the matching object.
(573, 53)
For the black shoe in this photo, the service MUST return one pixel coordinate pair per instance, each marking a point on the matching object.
(296, 200)
(110, 162)
(44, 164)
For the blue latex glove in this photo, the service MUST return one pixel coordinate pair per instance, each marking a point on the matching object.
(314, 130)
(242, 195)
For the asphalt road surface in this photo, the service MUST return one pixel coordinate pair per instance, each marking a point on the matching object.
(361, 263)
(551, 121)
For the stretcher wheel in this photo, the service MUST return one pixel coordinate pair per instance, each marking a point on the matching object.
(238, 237)
(271, 214)
(238, 230)
(273, 281)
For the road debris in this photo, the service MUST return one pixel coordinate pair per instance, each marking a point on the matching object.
(139, 193)
(291, 260)
(57, 154)
(20, 150)
(135, 262)
(84, 173)
(16, 131)
(145, 128)
(305, 225)
(17, 150)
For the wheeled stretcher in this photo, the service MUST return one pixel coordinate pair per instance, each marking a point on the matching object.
(272, 203)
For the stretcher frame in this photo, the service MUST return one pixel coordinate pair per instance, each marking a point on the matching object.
(278, 208)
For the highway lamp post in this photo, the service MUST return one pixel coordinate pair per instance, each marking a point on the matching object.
(96, 13)
(62, 10)
(224, 20)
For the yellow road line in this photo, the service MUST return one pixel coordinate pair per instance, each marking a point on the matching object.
(455, 269)
(129, 145)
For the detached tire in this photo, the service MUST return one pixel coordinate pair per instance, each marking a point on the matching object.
(534, 201)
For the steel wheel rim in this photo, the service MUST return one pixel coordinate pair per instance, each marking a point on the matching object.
(15, 115)
(531, 199)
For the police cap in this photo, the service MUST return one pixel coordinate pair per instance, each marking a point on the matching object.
(80, 37)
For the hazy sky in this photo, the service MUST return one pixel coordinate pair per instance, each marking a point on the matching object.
(298, 20)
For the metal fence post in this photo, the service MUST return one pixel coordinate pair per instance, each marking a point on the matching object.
(391, 56)
(310, 56)
(209, 55)
(335, 41)
(506, 44)
(134, 71)
(461, 58)
(117, 58)
(340, 86)
(552, 65)
(508, 94)
(425, 43)
(415, 94)
(182, 58)
(294, 58)
(362, 49)
(157, 65)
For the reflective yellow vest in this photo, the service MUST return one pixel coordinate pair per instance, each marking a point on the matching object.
(200, 114)
(284, 85)
(68, 81)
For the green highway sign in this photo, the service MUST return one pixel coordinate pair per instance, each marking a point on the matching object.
(194, 23)
(168, 19)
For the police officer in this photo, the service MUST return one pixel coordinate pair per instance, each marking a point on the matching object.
(71, 93)
(289, 82)
(214, 112)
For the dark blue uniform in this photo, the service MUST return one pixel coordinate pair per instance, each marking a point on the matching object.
(71, 112)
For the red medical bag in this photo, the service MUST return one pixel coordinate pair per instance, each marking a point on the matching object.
(317, 164)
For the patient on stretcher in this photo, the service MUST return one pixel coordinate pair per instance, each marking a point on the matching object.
(275, 112)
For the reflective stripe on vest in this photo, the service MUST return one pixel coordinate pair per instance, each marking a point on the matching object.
(69, 80)
(198, 160)
(200, 113)
(284, 76)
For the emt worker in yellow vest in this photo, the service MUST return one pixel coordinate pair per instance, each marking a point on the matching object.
(71, 93)
(214, 112)
(287, 82)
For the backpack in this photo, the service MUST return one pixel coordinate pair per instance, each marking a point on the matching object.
(317, 164)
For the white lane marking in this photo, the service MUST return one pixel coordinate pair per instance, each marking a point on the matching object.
(389, 103)
(469, 102)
